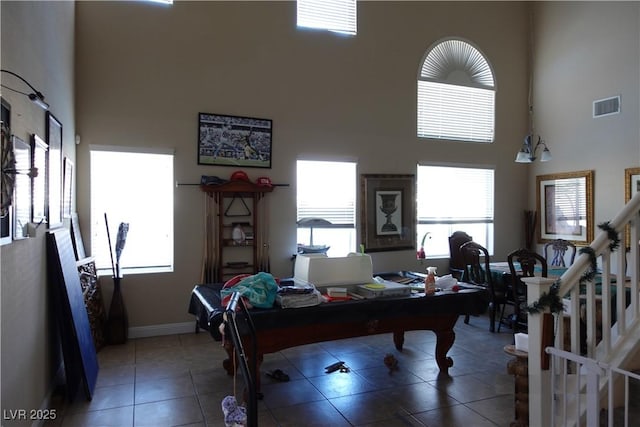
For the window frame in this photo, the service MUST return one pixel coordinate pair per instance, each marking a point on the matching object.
(97, 225)
(338, 16)
(454, 223)
(335, 225)
(451, 68)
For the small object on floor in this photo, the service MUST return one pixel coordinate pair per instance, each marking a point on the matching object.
(234, 414)
(333, 367)
(391, 362)
(278, 375)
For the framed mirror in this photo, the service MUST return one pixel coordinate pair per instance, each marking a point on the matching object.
(565, 203)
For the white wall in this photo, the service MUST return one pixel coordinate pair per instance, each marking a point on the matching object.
(585, 51)
(37, 43)
(329, 96)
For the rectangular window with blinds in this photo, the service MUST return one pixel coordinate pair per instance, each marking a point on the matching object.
(133, 186)
(332, 15)
(326, 190)
(454, 199)
(458, 113)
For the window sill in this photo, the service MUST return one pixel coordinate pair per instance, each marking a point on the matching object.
(135, 271)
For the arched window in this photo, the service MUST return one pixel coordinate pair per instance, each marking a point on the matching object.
(456, 93)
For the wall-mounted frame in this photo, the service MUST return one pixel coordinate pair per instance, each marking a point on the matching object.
(631, 187)
(21, 189)
(5, 163)
(565, 203)
(54, 140)
(67, 188)
(388, 212)
(234, 141)
(39, 182)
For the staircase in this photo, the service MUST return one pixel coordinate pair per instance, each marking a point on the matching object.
(612, 330)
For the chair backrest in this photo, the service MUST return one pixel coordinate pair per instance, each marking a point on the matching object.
(476, 265)
(558, 249)
(456, 260)
(528, 261)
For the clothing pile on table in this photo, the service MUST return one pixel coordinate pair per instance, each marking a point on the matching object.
(293, 293)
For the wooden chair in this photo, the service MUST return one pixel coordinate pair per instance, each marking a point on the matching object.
(456, 261)
(556, 251)
(517, 289)
(476, 259)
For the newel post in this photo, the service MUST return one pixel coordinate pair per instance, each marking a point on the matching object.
(540, 330)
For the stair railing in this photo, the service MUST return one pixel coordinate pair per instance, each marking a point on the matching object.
(596, 328)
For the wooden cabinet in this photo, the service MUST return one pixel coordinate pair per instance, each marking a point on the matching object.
(238, 232)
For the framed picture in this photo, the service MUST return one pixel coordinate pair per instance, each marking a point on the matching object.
(54, 166)
(234, 141)
(39, 182)
(67, 188)
(21, 189)
(6, 162)
(388, 212)
(631, 187)
(565, 203)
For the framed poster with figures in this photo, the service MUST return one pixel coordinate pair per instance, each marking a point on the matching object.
(234, 141)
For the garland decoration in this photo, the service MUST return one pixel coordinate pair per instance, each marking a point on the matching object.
(551, 299)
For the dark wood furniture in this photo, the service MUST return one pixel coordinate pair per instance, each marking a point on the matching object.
(456, 260)
(238, 207)
(519, 368)
(522, 263)
(557, 250)
(278, 329)
(476, 259)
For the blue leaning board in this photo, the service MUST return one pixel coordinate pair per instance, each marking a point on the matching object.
(81, 362)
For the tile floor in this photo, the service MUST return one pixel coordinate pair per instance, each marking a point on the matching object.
(178, 380)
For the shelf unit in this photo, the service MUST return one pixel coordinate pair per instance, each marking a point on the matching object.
(238, 206)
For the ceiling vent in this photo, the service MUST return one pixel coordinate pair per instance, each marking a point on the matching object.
(606, 107)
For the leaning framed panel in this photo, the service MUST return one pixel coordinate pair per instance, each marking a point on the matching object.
(565, 203)
(388, 212)
(234, 141)
(631, 187)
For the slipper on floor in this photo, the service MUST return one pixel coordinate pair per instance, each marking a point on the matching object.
(278, 375)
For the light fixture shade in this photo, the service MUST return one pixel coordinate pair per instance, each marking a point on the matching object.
(523, 157)
(38, 99)
(527, 153)
(546, 155)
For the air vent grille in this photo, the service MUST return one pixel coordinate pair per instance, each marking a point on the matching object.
(606, 107)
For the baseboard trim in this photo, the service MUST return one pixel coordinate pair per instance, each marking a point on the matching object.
(46, 404)
(164, 329)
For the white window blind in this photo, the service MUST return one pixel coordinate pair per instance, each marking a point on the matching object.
(133, 187)
(332, 15)
(569, 198)
(327, 190)
(454, 112)
(456, 94)
(451, 199)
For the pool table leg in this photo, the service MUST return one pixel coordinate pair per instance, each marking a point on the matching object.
(444, 342)
(445, 337)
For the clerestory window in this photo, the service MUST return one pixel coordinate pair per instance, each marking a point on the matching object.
(456, 93)
(333, 15)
